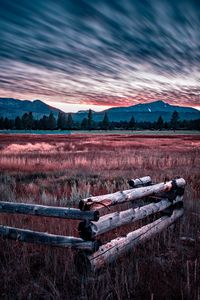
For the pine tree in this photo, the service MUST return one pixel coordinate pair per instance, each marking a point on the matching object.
(6, 123)
(59, 120)
(105, 122)
(30, 121)
(36, 124)
(62, 121)
(174, 122)
(166, 125)
(84, 124)
(11, 124)
(51, 121)
(18, 123)
(25, 121)
(160, 123)
(132, 123)
(45, 122)
(69, 121)
(1, 123)
(90, 120)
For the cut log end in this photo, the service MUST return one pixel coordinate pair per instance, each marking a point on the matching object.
(96, 245)
(85, 230)
(84, 205)
(89, 204)
(139, 182)
(96, 215)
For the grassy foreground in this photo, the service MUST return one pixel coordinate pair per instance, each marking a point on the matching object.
(59, 170)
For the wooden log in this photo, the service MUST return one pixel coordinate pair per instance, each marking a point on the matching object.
(138, 182)
(29, 236)
(48, 211)
(89, 230)
(98, 202)
(109, 252)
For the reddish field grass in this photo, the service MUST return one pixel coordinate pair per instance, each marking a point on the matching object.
(60, 170)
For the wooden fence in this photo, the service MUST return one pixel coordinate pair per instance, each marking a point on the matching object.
(164, 199)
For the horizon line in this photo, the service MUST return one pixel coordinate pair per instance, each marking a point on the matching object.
(54, 104)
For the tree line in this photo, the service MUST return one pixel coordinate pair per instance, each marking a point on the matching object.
(65, 122)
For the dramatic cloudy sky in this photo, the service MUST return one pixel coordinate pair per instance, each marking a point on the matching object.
(79, 53)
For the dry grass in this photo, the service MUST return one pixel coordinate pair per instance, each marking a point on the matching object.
(62, 169)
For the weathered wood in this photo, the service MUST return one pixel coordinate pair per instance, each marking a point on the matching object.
(98, 202)
(109, 252)
(138, 182)
(29, 236)
(89, 230)
(48, 211)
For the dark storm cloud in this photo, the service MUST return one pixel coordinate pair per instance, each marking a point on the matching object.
(101, 52)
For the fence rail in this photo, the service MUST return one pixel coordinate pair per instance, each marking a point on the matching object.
(120, 218)
(97, 202)
(110, 251)
(48, 211)
(165, 198)
(29, 236)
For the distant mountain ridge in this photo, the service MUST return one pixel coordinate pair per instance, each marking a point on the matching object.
(143, 112)
(154, 106)
(12, 108)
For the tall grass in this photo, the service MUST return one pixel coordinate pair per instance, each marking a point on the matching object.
(66, 169)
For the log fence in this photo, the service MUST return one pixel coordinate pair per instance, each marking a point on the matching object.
(163, 199)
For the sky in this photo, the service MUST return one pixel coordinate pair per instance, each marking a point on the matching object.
(79, 54)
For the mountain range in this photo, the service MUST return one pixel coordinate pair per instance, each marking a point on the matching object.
(12, 108)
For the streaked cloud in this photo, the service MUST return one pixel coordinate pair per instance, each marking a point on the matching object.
(101, 52)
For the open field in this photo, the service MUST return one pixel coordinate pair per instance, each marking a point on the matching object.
(62, 169)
